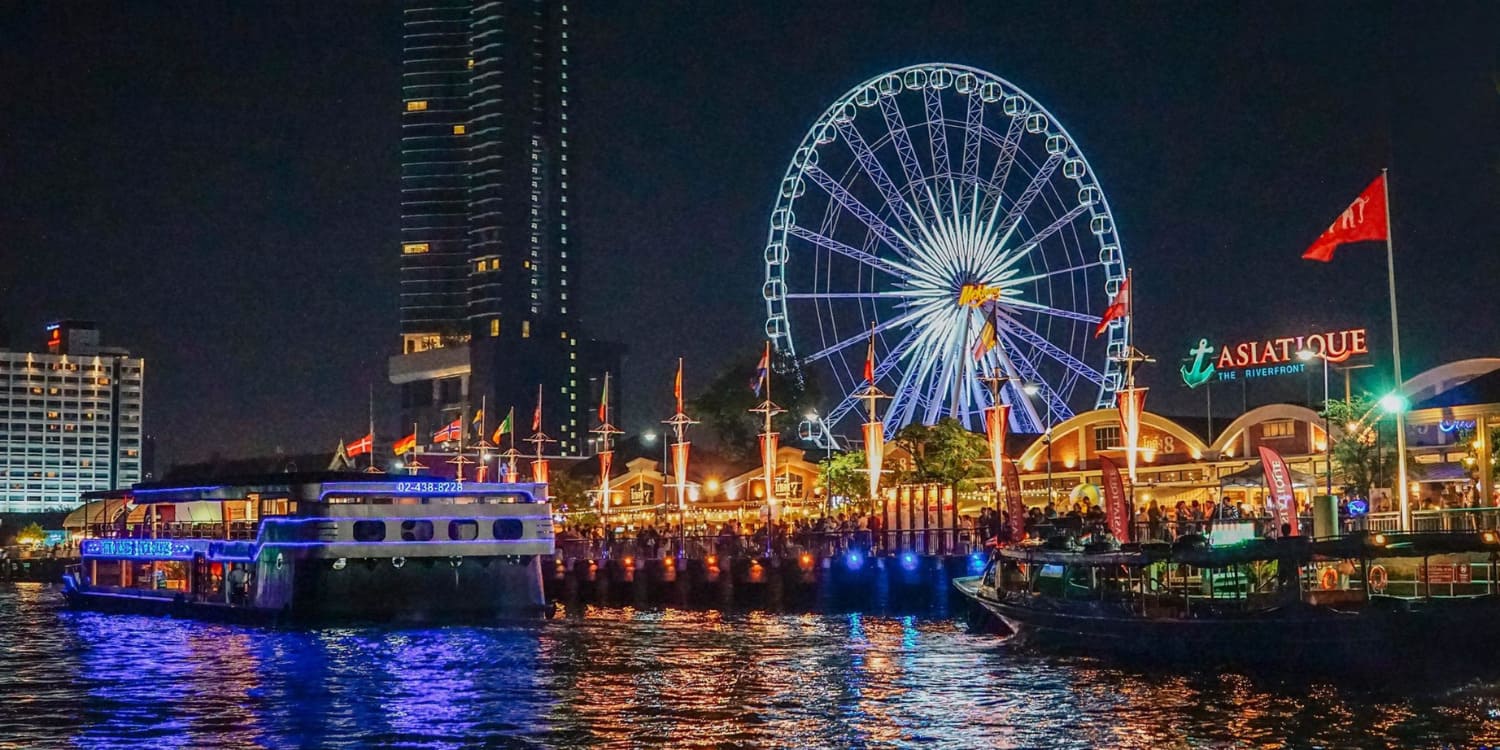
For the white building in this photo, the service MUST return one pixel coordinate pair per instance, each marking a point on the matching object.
(70, 420)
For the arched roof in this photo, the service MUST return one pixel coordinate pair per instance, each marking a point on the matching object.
(1193, 443)
(1429, 383)
(1264, 413)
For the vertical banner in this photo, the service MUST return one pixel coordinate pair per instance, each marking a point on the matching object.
(995, 418)
(539, 471)
(768, 472)
(1116, 512)
(679, 472)
(1132, 402)
(874, 455)
(1279, 479)
(605, 458)
(1013, 502)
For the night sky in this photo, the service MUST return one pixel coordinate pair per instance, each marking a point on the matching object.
(217, 184)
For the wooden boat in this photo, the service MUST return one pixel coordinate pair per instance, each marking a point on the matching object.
(1288, 601)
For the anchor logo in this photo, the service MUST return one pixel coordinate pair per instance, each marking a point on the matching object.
(1202, 369)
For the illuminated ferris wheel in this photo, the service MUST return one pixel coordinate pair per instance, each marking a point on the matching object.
(946, 207)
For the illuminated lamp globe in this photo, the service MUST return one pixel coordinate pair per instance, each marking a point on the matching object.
(1306, 355)
(1392, 403)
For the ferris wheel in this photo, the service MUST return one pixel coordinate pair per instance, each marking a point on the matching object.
(947, 211)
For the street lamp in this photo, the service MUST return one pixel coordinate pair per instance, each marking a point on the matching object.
(1032, 389)
(1307, 355)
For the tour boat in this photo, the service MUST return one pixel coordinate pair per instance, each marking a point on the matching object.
(1362, 600)
(318, 546)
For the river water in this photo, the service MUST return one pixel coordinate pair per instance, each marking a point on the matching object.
(636, 678)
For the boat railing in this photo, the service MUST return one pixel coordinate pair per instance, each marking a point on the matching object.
(238, 530)
(1438, 520)
(818, 544)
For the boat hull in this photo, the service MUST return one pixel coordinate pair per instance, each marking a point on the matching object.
(374, 589)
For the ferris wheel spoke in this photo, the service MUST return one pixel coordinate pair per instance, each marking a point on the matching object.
(1049, 274)
(890, 236)
(891, 294)
(1045, 310)
(1020, 331)
(1039, 180)
(888, 363)
(1028, 373)
(828, 243)
(1037, 239)
(902, 319)
(911, 166)
(1003, 162)
(937, 135)
(973, 124)
(871, 166)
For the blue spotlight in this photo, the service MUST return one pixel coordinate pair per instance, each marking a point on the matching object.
(854, 560)
(976, 562)
(908, 561)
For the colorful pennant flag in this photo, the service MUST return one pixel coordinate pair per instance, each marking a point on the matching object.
(505, 426)
(762, 371)
(988, 338)
(677, 386)
(406, 444)
(361, 446)
(536, 417)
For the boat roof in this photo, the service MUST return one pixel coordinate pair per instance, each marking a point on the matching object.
(1297, 549)
(313, 485)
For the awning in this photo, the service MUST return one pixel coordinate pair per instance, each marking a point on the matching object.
(1255, 477)
(94, 512)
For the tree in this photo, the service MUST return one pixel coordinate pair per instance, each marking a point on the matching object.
(724, 406)
(845, 475)
(31, 533)
(1365, 451)
(570, 495)
(945, 453)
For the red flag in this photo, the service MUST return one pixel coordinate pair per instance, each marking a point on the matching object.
(1115, 511)
(1362, 221)
(604, 401)
(677, 386)
(451, 431)
(405, 444)
(1119, 307)
(536, 417)
(361, 446)
(870, 360)
(1279, 478)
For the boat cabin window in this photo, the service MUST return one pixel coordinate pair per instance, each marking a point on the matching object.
(369, 531)
(278, 506)
(416, 531)
(463, 531)
(508, 528)
(503, 498)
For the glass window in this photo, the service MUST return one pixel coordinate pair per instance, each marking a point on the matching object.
(1278, 429)
(416, 106)
(463, 531)
(1106, 438)
(416, 531)
(508, 528)
(369, 531)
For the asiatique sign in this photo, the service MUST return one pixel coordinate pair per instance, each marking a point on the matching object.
(1270, 357)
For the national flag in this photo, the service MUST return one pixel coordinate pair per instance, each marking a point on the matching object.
(988, 338)
(406, 444)
(479, 420)
(1119, 307)
(361, 446)
(677, 386)
(762, 371)
(1362, 221)
(451, 431)
(536, 417)
(870, 360)
(604, 401)
(505, 426)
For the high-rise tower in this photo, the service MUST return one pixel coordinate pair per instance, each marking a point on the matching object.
(488, 307)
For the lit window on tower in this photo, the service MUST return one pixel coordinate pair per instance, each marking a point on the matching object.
(494, 327)
(416, 106)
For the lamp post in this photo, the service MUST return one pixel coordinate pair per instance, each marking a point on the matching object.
(1032, 389)
(1307, 355)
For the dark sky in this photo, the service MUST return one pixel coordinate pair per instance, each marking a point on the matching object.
(217, 183)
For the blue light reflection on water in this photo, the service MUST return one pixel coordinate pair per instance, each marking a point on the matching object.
(644, 678)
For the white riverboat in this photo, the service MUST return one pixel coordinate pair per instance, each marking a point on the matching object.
(318, 546)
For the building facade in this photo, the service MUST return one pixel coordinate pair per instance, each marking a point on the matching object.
(488, 294)
(70, 420)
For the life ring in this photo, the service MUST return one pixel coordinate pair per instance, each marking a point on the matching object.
(1328, 579)
(1378, 578)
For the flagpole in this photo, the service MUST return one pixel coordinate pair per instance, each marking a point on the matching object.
(1390, 268)
(372, 427)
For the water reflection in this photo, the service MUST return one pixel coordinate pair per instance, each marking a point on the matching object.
(626, 677)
